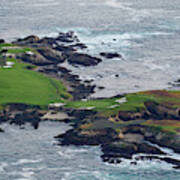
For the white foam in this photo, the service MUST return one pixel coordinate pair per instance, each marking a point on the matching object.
(2, 166)
(117, 4)
(26, 161)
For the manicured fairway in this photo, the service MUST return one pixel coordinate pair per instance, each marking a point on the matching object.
(20, 85)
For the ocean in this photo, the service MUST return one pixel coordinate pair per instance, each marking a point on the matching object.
(146, 33)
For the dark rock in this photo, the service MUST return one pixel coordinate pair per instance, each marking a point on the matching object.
(166, 159)
(134, 163)
(163, 139)
(82, 59)
(79, 46)
(87, 137)
(127, 115)
(119, 149)
(32, 117)
(27, 40)
(1, 130)
(176, 167)
(159, 111)
(88, 81)
(47, 41)
(122, 149)
(110, 55)
(68, 37)
(34, 58)
(80, 114)
(3, 51)
(51, 55)
(2, 41)
(65, 49)
(101, 87)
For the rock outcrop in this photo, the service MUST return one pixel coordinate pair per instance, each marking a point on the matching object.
(110, 55)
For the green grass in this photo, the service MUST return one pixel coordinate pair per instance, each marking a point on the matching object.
(6, 45)
(16, 49)
(19, 85)
(19, 50)
(134, 102)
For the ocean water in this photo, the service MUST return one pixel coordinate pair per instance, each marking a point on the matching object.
(28, 154)
(146, 33)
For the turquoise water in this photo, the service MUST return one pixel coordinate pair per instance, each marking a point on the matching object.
(147, 34)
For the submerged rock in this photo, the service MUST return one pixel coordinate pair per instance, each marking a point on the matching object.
(110, 55)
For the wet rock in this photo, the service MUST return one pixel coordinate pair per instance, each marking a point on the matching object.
(82, 59)
(65, 49)
(48, 41)
(68, 37)
(87, 137)
(134, 163)
(2, 41)
(27, 40)
(166, 159)
(123, 149)
(32, 117)
(110, 55)
(163, 139)
(119, 149)
(101, 87)
(78, 46)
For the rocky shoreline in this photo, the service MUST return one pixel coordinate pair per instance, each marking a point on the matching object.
(121, 134)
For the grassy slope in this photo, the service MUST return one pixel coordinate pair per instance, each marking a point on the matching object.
(135, 102)
(19, 85)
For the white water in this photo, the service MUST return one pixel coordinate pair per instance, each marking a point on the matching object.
(28, 154)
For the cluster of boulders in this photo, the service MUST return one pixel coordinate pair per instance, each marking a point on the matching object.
(49, 54)
(130, 139)
(56, 50)
(153, 110)
(20, 114)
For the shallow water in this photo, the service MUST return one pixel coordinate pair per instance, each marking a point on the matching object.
(28, 154)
